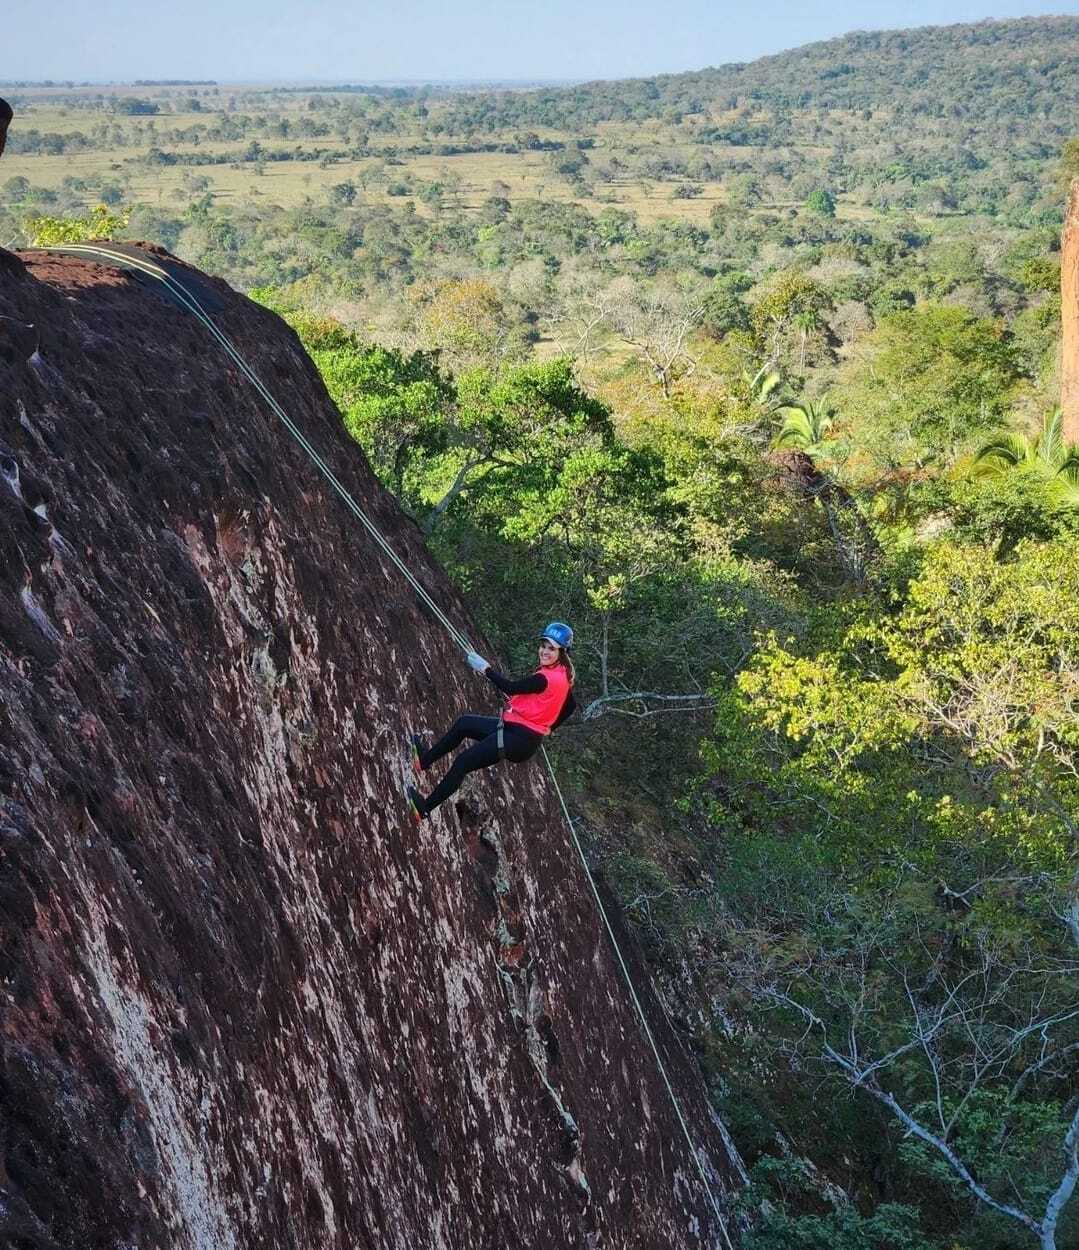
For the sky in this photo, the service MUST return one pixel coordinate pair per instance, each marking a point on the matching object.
(485, 40)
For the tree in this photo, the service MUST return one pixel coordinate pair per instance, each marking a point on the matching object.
(1069, 162)
(793, 300)
(724, 308)
(805, 427)
(856, 545)
(929, 377)
(469, 322)
(963, 1024)
(397, 407)
(1047, 456)
(821, 202)
(1069, 307)
(132, 106)
(510, 431)
(904, 786)
(744, 191)
(657, 322)
(569, 163)
(101, 223)
(766, 390)
(580, 316)
(432, 194)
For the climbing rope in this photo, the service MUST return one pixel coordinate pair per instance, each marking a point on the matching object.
(637, 1002)
(188, 301)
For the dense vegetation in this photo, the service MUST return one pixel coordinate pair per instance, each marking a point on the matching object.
(791, 466)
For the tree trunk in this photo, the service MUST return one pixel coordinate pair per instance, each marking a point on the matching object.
(1069, 312)
(5, 120)
(459, 483)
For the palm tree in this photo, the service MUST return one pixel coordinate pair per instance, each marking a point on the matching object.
(802, 438)
(765, 387)
(805, 427)
(807, 321)
(1047, 455)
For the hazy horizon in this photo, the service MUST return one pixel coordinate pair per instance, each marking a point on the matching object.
(476, 42)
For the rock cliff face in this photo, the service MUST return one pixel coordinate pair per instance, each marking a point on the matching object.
(243, 1001)
(1069, 310)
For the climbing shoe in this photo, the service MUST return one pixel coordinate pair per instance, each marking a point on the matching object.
(415, 747)
(416, 804)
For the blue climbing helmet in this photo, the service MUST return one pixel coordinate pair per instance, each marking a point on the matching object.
(559, 633)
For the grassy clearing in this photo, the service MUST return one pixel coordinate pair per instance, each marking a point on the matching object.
(473, 177)
(470, 178)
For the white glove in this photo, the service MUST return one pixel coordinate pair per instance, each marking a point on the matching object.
(477, 662)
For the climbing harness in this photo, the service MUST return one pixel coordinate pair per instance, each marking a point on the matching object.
(127, 257)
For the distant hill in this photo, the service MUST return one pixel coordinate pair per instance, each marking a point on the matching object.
(985, 73)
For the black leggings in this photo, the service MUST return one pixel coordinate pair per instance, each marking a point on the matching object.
(520, 744)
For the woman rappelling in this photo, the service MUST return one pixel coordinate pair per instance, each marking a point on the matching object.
(538, 704)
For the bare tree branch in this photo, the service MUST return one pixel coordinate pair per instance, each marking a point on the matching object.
(603, 704)
(954, 1162)
(1066, 1188)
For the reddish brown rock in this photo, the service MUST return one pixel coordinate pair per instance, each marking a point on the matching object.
(1069, 308)
(243, 1002)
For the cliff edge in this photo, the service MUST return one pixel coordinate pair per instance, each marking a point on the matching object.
(245, 1003)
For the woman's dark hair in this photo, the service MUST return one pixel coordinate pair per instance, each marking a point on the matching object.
(567, 664)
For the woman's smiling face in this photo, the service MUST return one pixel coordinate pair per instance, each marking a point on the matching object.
(548, 652)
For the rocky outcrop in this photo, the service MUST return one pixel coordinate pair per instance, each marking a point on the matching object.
(1069, 310)
(244, 1002)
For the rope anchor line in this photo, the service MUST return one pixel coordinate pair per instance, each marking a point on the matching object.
(189, 302)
